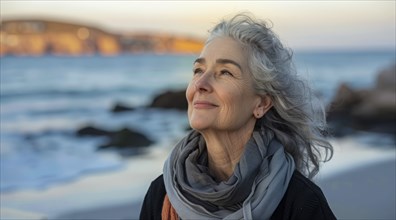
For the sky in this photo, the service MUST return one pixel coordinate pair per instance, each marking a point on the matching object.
(311, 25)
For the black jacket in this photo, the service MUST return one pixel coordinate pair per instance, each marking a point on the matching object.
(303, 200)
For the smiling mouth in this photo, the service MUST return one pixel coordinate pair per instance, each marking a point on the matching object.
(204, 105)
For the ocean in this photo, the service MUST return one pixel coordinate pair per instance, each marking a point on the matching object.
(44, 100)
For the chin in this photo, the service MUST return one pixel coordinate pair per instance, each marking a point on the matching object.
(196, 127)
(198, 122)
(199, 126)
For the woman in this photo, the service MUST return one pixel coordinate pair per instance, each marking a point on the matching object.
(256, 133)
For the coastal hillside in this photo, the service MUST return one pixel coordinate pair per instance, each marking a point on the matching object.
(41, 37)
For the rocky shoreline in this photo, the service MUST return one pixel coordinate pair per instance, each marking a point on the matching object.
(351, 110)
(126, 140)
(370, 109)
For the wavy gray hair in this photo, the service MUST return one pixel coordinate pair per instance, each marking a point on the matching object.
(296, 119)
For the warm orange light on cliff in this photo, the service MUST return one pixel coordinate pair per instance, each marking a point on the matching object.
(107, 45)
(48, 37)
(83, 33)
(183, 45)
(11, 40)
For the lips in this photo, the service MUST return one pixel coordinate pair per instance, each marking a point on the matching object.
(204, 105)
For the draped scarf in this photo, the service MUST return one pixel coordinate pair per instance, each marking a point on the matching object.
(253, 191)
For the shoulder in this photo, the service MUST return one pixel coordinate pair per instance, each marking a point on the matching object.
(305, 186)
(303, 200)
(153, 201)
(157, 186)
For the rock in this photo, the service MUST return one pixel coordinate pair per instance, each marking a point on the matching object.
(344, 99)
(386, 79)
(369, 110)
(120, 107)
(121, 139)
(171, 100)
(378, 104)
(126, 138)
(92, 131)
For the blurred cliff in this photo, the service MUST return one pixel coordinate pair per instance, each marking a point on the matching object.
(40, 37)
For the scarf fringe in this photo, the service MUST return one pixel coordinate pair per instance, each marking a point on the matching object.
(168, 212)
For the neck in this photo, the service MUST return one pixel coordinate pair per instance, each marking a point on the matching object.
(224, 151)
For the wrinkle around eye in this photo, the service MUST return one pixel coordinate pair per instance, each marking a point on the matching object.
(197, 71)
(226, 72)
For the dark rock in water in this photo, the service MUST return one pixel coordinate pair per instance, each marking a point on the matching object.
(125, 138)
(345, 98)
(171, 100)
(120, 107)
(369, 110)
(386, 79)
(92, 131)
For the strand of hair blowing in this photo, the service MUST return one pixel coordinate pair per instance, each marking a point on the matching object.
(297, 118)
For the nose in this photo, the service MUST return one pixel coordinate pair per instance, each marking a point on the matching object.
(203, 83)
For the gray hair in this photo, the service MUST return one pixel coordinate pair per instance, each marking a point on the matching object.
(296, 119)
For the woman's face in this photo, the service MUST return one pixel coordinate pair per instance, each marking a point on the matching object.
(220, 95)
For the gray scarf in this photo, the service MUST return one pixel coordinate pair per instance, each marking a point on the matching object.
(254, 190)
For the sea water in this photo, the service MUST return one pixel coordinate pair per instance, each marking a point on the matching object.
(44, 100)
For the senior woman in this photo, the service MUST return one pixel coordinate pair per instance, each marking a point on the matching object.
(257, 135)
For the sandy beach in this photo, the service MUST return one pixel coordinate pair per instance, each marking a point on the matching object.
(359, 183)
(367, 192)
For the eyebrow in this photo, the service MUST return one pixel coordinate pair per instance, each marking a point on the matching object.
(221, 61)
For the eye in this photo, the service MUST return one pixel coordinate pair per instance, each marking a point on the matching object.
(226, 72)
(197, 71)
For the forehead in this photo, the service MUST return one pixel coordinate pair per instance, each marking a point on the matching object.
(225, 48)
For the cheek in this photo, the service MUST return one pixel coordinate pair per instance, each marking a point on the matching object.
(231, 104)
(189, 96)
(190, 93)
(236, 102)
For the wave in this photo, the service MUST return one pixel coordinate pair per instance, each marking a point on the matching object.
(54, 93)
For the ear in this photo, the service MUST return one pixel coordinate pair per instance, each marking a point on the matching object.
(263, 105)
